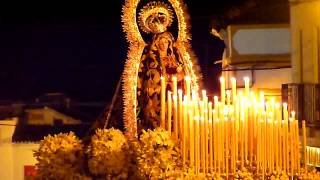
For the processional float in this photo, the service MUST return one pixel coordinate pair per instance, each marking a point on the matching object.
(161, 89)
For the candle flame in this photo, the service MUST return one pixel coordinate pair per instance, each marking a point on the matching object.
(248, 103)
(204, 92)
(285, 105)
(240, 93)
(174, 97)
(174, 78)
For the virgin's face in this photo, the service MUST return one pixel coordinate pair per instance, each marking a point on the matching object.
(163, 44)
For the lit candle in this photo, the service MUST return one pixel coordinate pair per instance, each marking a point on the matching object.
(251, 128)
(180, 115)
(242, 130)
(192, 137)
(222, 133)
(198, 143)
(175, 112)
(234, 87)
(277, 135)
(185, 132)
(175, 116)
(304, 132)
(215, 98)
(258, 146)
(285, 112)
(228, 93)
(163, 102)
(286, 118)
(188, 87)
(237, 128)
(222, 89)
(227, 145)
(297, 147)
(233, 141)
(210, 136)
(174, 86)
(169, 100)
(219, 144)
(284, 145)
(246, 129)
(264, 141)
(202, 136)
(197, 136)
(291, 146)
(206, 129)
(215, 143)
(293, 141)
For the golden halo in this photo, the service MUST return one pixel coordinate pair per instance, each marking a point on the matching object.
(155, 17)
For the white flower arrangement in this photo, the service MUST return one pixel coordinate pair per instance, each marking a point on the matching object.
(158, 156)
(60, 157)
(108, 154)
(243, 174)
(312, 174)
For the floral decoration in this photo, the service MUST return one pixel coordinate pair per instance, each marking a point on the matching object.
(158, 156)
(108, 154)
(60, 157)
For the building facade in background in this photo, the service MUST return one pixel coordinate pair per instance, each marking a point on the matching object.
(260, 52)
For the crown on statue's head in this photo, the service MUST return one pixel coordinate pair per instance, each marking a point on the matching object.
(155, 17)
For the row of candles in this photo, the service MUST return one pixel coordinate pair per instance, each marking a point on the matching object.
(313, 156)
(237, 131)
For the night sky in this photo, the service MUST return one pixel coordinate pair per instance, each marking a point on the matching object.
(79, 48)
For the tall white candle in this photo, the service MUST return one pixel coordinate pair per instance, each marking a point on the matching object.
(163, 103)
(169, 100)
(234, 87)
(188, 87)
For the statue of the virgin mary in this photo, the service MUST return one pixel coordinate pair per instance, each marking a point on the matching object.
(163, 56)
